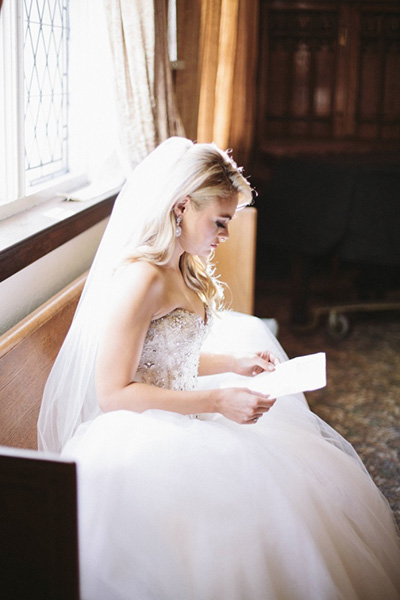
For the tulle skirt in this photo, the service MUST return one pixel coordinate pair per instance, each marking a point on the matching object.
(179, 508)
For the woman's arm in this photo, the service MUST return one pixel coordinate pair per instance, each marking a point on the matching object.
(238, 404)
(241, 364)
(137, 297)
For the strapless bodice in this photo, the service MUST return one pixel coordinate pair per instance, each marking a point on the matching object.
(170, 356)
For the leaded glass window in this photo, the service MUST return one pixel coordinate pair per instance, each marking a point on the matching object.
(46, 34)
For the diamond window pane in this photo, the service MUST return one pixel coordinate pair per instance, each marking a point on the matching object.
(46, 89)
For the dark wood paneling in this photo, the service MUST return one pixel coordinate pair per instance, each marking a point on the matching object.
(299, 72)
(329, 73)
(378, 102)
(38, 528)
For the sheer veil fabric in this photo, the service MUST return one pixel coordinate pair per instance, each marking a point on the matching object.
(69, 397)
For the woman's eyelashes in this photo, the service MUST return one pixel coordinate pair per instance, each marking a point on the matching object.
(221, 225)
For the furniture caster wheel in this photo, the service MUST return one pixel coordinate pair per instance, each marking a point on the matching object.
(338, 325)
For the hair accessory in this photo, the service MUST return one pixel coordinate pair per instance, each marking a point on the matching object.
(178, 230)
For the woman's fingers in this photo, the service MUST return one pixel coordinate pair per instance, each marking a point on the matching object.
(273, 358)
(262, 399)
(255, 363)
(255, 418)
(265, 361)
(261, 365)
(261, 405)
(243, 405)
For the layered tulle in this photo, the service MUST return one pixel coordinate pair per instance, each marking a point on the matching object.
(180, 508)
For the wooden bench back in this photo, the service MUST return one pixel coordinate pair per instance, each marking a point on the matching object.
(235, 261)
(27, 353)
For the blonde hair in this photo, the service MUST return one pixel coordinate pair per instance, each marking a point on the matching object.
(204, 173)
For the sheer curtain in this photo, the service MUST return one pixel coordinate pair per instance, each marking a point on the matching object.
(227, 71)
(143, 80)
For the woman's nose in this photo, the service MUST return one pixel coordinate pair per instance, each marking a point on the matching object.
(224, 235)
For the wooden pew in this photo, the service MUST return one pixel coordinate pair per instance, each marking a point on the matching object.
(28, 350)
(27, 353)
(38, 491)
(38, 526)
(38, 504)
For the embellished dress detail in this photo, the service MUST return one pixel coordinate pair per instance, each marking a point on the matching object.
(183, 332)
(175, 508)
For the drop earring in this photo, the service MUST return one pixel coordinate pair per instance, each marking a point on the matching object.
(178, 230)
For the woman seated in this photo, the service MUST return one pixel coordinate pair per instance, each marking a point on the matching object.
(199, 491)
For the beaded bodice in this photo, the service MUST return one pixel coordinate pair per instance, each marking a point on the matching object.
(170, 356)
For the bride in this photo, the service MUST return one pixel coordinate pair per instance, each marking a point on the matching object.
(189, 489)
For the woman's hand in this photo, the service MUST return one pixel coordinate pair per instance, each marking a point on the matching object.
(243, 405)
(253, 364)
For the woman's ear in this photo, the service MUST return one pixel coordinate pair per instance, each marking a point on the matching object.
(180, 207)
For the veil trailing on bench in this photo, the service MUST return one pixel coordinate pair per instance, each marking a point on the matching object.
(149, 193)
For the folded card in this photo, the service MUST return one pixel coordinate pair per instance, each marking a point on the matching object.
(300, 374)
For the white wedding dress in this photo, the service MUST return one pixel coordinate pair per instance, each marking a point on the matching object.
(198, 507)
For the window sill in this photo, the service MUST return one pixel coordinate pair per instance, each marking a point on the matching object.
(28, 236)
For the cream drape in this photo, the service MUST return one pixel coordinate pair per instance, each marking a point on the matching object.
(143, 80)
(227, 73)
(217, 51)
(226, 115)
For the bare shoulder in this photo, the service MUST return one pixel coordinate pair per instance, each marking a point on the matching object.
(140, 272)
(139, 286)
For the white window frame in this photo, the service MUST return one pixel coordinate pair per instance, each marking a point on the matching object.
(13, 196)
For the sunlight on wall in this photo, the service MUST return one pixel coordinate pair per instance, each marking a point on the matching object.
(29, 288)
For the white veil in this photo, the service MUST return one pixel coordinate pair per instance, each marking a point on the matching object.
(154, 186)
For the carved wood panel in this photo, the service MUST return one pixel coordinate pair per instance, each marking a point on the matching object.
(301, 72)
(329, 71)
(378, 101)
